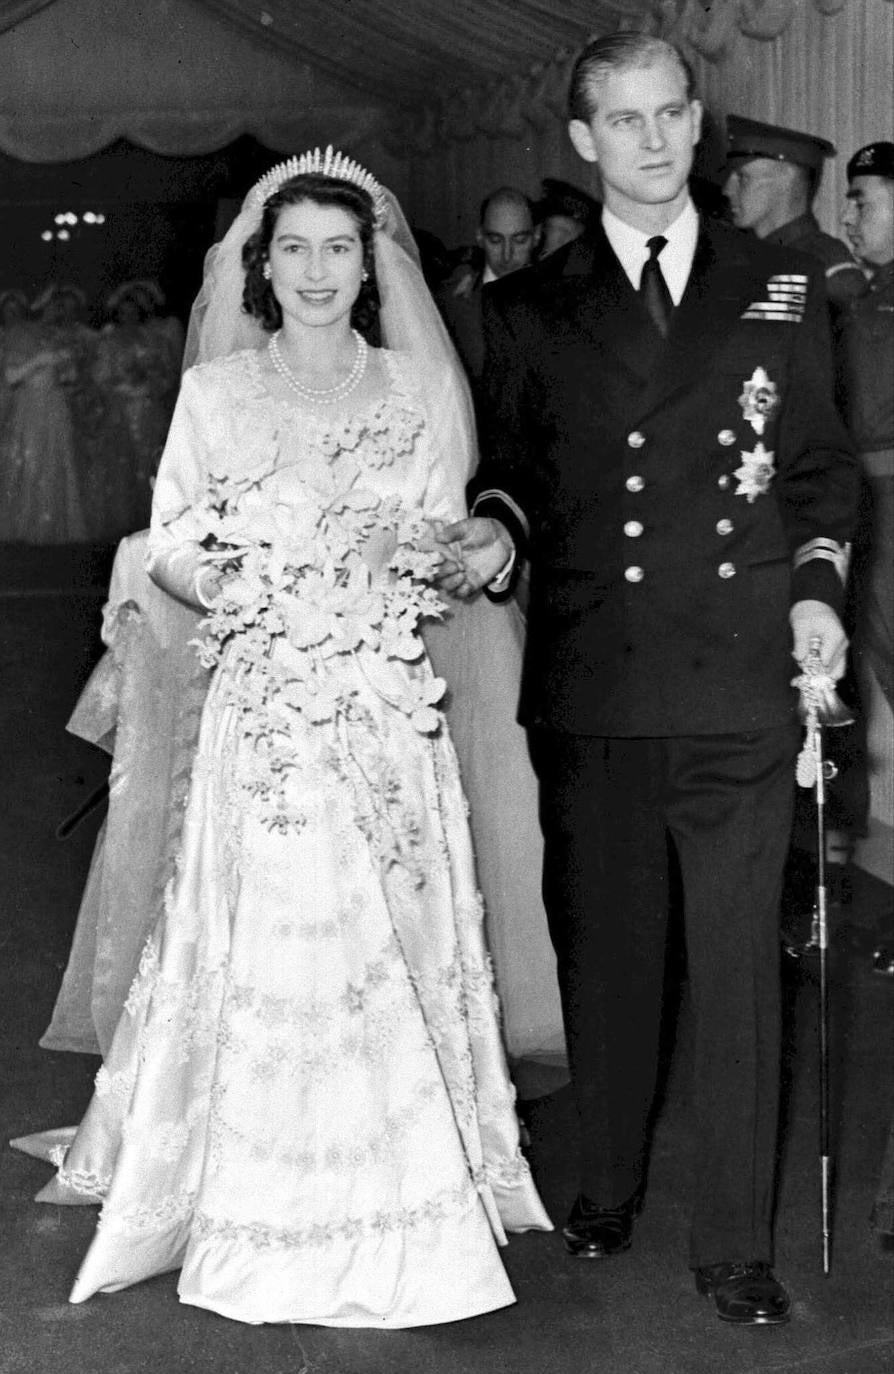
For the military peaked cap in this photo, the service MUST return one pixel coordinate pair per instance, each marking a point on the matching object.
(746, 138)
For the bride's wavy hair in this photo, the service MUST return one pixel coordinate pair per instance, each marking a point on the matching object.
(257, 295)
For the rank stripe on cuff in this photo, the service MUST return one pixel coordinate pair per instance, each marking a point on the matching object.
(494, 493)
(837, 554)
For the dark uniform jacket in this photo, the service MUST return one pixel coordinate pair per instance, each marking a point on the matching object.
(869, 349)
(662, 489)
(845, 279)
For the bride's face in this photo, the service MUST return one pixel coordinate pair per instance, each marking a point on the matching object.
(316, 263)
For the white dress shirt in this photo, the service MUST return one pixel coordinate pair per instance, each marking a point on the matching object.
(629, 246)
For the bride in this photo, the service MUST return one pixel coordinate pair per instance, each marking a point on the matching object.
(305, 1107)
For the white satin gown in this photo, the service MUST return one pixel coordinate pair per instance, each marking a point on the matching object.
(305, 1107)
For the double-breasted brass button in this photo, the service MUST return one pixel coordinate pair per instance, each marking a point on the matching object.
(727, 570)
(723, 481)
(633, 529)
(726, 437)
(724, 526)
(634, 482)
(634, 574)
(636, 439)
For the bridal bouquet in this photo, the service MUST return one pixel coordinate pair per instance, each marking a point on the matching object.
(345, 574)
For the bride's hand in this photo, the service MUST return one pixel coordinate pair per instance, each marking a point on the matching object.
(210, 585)
(450, 556)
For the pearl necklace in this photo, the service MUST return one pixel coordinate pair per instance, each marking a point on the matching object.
(324, 395)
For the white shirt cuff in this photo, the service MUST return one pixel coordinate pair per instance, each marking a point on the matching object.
(499, 583)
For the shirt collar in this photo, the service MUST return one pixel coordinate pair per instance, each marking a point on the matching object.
(629, 246)
(487, 276)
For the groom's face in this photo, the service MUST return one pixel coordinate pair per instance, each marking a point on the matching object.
(641, 134)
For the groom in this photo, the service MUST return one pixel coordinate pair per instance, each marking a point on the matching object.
(659, 442)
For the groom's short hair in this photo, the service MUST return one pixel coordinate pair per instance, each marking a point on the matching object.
(614, 53)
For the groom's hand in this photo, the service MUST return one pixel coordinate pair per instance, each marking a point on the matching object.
(475, 551)
(815, 622)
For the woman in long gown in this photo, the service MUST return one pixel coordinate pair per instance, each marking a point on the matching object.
(143, 703)
(40, 496)
(14, 311)
(305, 1106)
(136, 375)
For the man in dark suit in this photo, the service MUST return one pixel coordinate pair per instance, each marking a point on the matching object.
(660, 443)
(507, 238)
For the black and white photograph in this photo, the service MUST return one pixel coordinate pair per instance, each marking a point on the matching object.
(447, 595)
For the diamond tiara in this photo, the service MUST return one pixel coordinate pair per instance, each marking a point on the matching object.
(329, 164)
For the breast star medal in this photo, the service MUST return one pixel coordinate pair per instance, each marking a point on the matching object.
(756, 473)
(759, 400)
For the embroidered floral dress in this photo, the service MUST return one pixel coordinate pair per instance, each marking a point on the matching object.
(305, 1107)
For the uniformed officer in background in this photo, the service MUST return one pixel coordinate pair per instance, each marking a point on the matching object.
(868, 347)
(868, 220)
(773, 175)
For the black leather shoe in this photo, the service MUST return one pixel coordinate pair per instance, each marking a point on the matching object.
(748, 1294)
(593, 1232)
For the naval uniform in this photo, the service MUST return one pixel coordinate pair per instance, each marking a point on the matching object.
(672, 496)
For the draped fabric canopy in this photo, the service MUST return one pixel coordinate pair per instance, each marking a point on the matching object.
(444, 98)
(822, 66)
(167, 75)
(187, 76)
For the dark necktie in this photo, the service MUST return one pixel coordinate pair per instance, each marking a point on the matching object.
(653, 288)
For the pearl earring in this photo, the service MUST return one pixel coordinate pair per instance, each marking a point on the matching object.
(267, 272)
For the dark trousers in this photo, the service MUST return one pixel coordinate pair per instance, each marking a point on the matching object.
(607, 807)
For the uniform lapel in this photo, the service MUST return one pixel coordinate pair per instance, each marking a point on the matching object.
(721, 284)
(602, 309)
(590, 296)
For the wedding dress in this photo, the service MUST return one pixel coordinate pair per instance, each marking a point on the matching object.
(305, 1106)
(143, 704)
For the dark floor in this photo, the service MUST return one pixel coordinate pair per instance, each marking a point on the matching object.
(637, 1314)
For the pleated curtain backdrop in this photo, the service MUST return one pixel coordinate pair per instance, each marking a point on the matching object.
(828, 71)
(445, 101)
